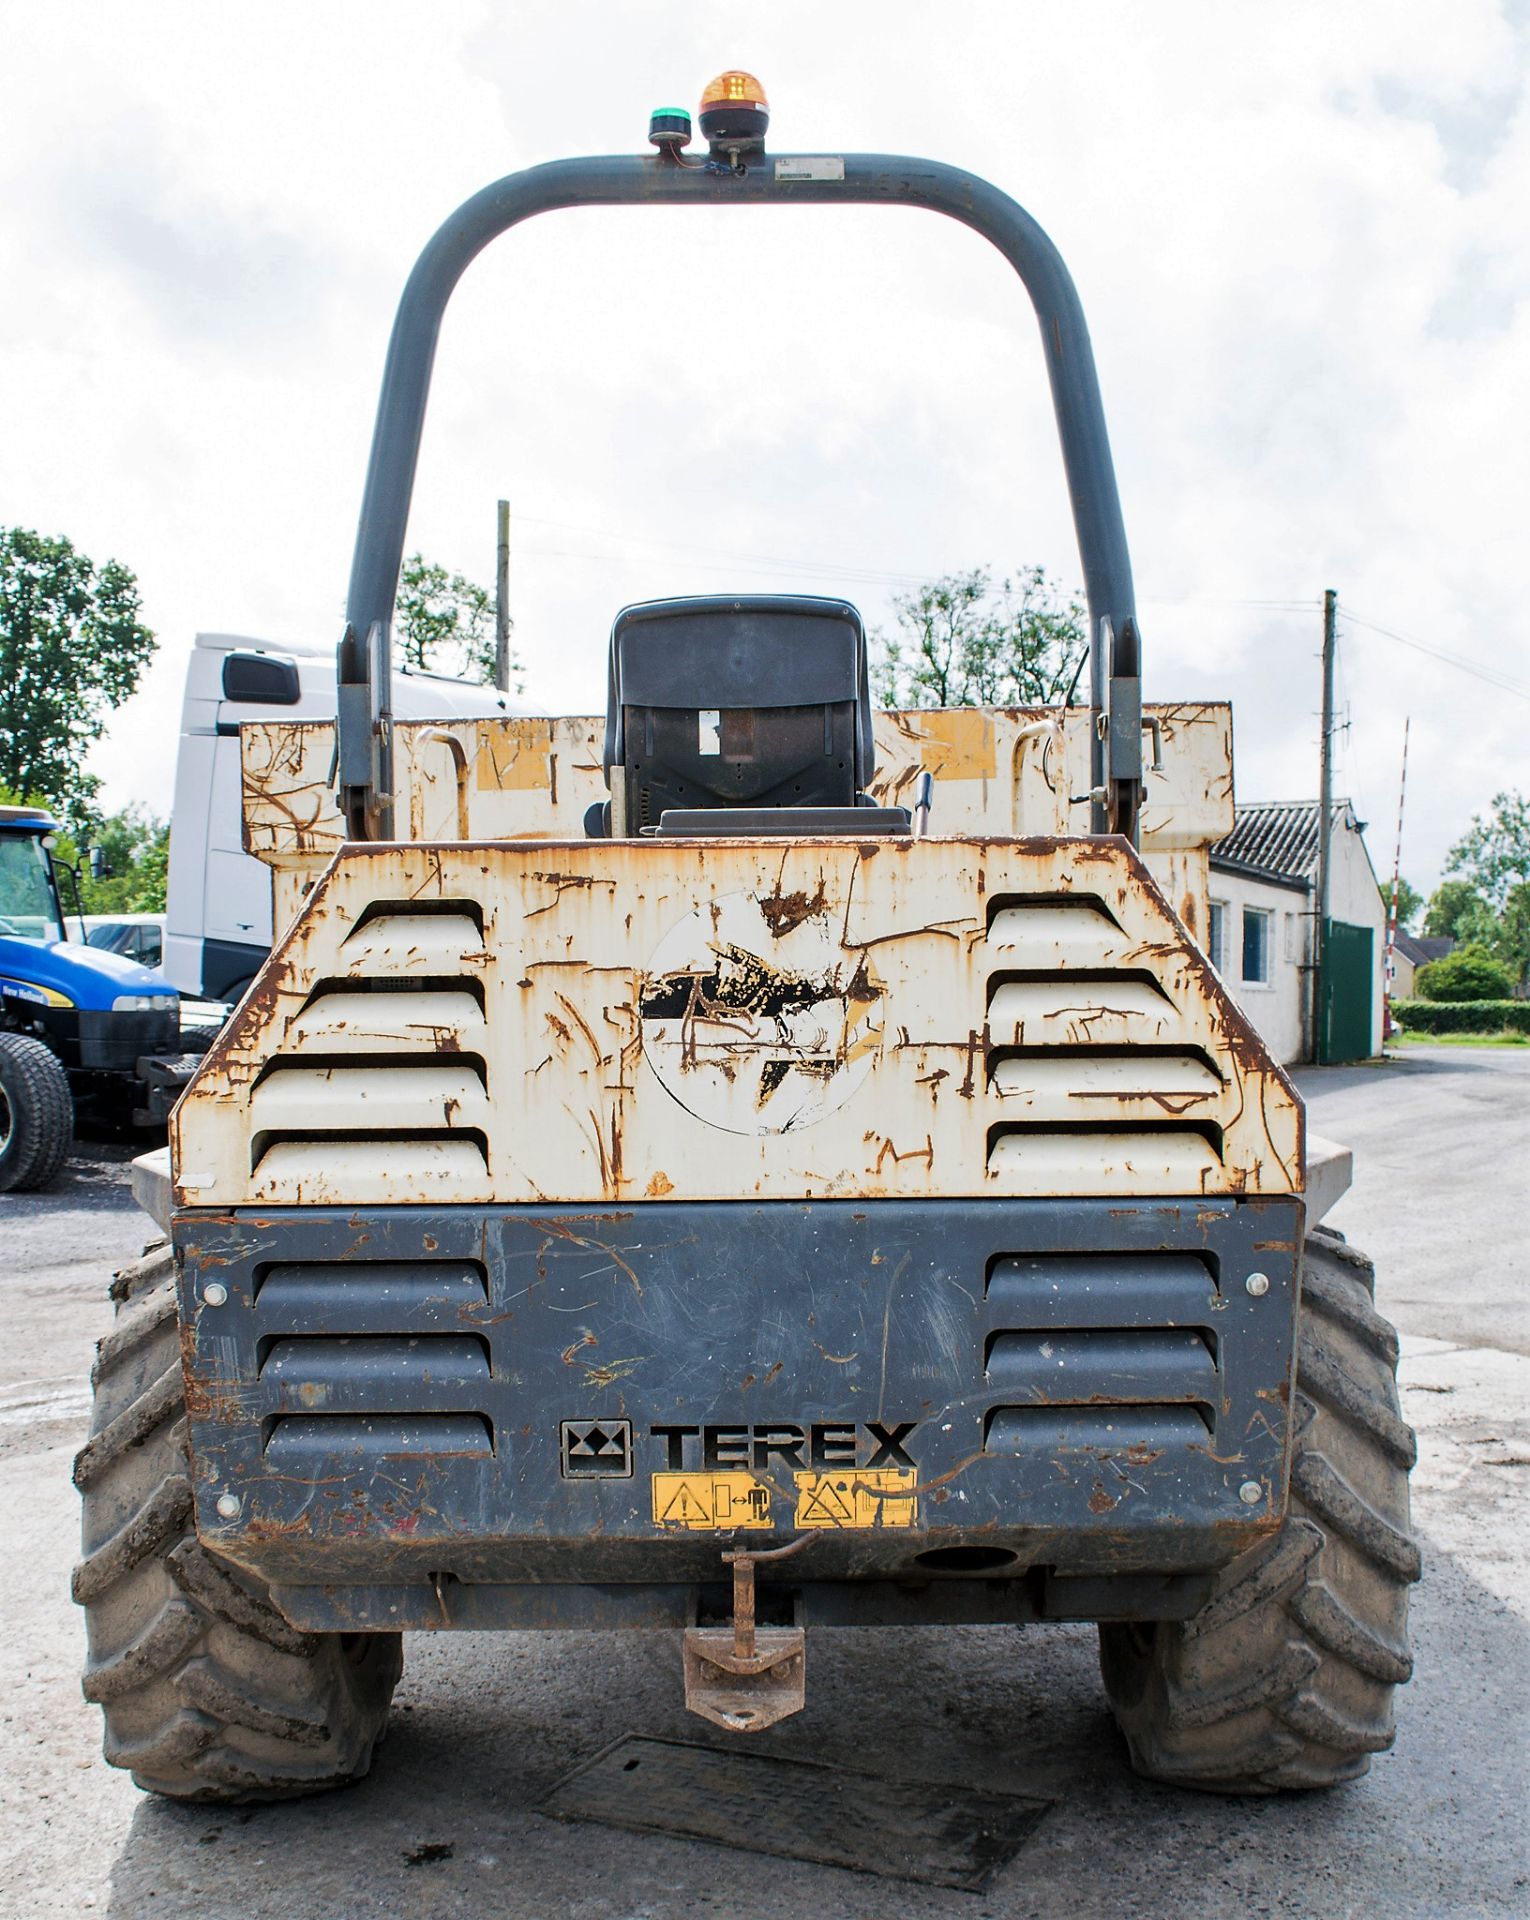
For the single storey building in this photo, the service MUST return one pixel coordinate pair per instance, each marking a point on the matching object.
(1410, 951)
(1263, 916)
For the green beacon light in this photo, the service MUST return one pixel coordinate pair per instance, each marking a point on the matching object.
(669, 129)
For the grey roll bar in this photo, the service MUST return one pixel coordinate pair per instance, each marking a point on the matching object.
(364, 744)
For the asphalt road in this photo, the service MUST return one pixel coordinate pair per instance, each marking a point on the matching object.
(487, 1724)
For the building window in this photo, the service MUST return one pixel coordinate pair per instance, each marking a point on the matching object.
(1218, 935)
(1256, 945)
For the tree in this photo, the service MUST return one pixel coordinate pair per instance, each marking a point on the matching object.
(1409, 901)
(72, 649)
(962, 642)
(444, 623)
(1457, 911)
(1494, 853)
(1469, 972)
(1511, 941)
(125, 864)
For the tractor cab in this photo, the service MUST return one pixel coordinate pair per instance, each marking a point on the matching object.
(82, 1029)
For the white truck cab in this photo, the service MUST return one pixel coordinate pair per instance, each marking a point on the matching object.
(218, 907)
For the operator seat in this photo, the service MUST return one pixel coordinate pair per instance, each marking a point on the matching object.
(746, 715)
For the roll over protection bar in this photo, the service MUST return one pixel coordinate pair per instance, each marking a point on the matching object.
(364, 770)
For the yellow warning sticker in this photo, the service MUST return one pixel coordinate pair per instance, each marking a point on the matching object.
(710, 1502)
(859, 1497)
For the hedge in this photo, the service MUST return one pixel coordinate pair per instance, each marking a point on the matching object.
(1462, 1016)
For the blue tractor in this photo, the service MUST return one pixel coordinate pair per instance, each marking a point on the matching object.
(82, 1030)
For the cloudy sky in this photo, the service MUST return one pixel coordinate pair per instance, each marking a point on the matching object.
(1301, 233)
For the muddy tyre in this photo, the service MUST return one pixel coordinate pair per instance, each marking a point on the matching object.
(36, 1115)
(208, 1694)
(1285, 1677)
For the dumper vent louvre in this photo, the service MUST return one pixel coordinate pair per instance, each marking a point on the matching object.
(1076, 982)
(366, 1296)
(1086, 1054)
(1003, 1130)
(1101, 1289)
(1100, 1350)
(382, 1077)
(304, 1441)
(1121, 1432)
(1183, 1157)
(470, 912)
(425, 1151)
(1080, 1366)
(1079, 1009)
(446, 1358)
(349, 985)
(405, 943)
(1149, 1072)
(1014, 917)
(342, 1063)
(375, 1392)
(429, 1098)
(1086, 1057)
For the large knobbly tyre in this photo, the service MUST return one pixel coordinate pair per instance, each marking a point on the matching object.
(1285, 1677)
(208, 1693)
(36, 1114)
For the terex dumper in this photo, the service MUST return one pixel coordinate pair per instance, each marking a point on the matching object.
(743, 1166)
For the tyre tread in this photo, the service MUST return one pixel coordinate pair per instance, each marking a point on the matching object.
(208, 1694)
(46, 1119)
(1285, 1677)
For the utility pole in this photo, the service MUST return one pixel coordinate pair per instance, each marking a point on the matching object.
(502, 601)
(1389, 970)
(1325, 835)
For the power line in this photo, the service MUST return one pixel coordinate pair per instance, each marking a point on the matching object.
(1489, 674)
(709, 559)
(1261, 606)
(770, 562)
(738, 565)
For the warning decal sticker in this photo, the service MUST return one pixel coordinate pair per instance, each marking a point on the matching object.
(710, 1502)
(857, 1497)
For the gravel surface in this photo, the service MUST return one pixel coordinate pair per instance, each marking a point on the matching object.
(487, 1724)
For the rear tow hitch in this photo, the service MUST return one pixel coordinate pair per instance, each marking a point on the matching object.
(743, 1677)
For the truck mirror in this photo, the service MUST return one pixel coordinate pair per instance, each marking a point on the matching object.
(263, 679)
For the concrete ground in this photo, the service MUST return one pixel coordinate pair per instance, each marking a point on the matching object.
(486, 1724)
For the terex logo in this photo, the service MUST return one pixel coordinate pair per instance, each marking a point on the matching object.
(829, 1444)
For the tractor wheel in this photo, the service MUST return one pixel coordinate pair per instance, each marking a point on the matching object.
(36, 1114)
(208, 1694)
(1285, 1677)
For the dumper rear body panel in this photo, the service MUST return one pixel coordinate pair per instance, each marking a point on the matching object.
(574, 1209)
(545, 1394)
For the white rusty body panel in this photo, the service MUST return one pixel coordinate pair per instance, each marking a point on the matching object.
(998, 771)
(537, 1021)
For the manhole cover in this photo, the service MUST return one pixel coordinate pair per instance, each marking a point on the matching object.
(944, 1836)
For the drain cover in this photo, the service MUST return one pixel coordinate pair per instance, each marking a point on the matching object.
(944, 1836)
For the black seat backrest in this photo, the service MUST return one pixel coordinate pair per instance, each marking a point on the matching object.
(755, 701)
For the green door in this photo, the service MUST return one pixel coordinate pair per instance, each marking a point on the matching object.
(1349, 981)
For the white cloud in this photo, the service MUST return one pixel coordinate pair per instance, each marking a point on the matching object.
(1300, 234)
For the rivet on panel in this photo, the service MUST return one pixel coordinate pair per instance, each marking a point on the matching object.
(1258, 1284)
(214, 1294)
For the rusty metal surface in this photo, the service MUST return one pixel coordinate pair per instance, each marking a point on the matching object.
(632, 1020)
(744, 1684)
(393, 1394)
(1005, 770)
(745, 1678)
(937, 1834)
